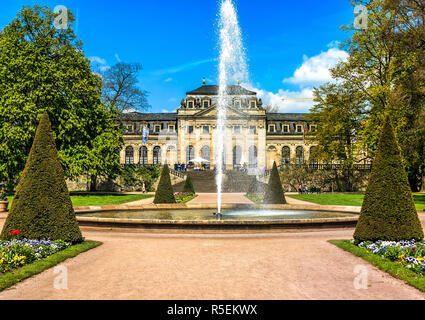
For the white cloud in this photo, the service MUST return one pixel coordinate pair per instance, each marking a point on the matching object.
(181, 67)
(316, 69)
(168, 80)
(282, 100)
(98, 60)
(117, 57)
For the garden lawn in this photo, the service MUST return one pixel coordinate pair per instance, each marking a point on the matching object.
(10, 278)
(97, 200)
(348, 199)
(394, 269)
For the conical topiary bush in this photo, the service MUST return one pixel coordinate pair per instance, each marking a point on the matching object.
(42, 207)
(188, 185)
(164, 193)
(274, 192)
(388, 211)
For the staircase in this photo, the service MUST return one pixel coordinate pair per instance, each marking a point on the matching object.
(203, 182)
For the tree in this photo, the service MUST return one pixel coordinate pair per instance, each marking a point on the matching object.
(44, 69)
(274, 192)
(188, 185)
(164, 193)
(388, 211)
(385, 71)
(42, 207)
(120, 89)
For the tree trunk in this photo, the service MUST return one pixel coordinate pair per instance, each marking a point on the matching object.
(93, 183)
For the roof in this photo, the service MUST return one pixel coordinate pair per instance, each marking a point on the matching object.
(286, 116)
(232, 90)
(138, 116)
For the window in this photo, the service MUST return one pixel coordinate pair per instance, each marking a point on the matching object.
(190, 153)
(272, 128)
(237, 104)
(171, 128)
(206, 104)
(237, 155)
(129, 155)
(253, 104)
(313, 128)
(237, 129)
(286, 129)
(190, 129)
(157, 155)
(299, 153)
(299, 129)
(286, 155)
(205, 153)
(205, 129)
(143, 155)
(190, 104)
(253, 130)
(157, 129)
(129, 128)
(253, 157)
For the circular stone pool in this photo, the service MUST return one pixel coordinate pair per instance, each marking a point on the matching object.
(208, 214)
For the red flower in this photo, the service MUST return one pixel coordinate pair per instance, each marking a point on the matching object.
(15, 232)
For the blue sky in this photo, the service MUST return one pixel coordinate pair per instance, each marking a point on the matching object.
(289, 44)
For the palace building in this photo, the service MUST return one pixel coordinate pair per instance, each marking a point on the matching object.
(254, 138)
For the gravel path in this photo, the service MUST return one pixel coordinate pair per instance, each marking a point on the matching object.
(300, 265)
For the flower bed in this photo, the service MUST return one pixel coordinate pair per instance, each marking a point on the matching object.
(183, 197)
(255, 197)
(409, 254)
(17, 253)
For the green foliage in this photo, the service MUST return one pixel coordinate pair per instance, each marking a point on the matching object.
(9, 279)
(388, 211)
(45, 69)
(395, 269)
(42, 207)
(164, 192)
(274, 191)
(188, 185)
(254, 186)
(134, 176)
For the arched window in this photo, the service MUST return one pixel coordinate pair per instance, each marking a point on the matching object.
(157, 155)
(237, 155)
(205, 153)
(129, 155)
(143, 155)
(190, 153)
(299, 153)
(253, 157)
(286, 156)
(313, 159)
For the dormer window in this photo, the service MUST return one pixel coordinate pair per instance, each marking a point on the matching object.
(299, 129)
(237, 104)
(237, 129)
(272, 128)
(157, 129)
(190, 104)
(285, 128)
(171, 128)
(313, 128)
(129, 128)
(206, 104)
(253, 104)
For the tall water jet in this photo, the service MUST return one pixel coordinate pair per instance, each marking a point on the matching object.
(232, 68)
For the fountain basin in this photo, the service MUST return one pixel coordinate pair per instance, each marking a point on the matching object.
(235, 217)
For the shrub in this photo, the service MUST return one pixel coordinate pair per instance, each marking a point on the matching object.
(42, 207)
(164, 192)
(274, 192)
(253, 187)
(388, 211)
(188, 185)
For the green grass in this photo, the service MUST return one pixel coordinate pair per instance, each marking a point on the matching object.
(348, 199)
(394, 269)
(97, 200)
(9, 279)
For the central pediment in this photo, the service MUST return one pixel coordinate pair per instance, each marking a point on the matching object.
(211, 112)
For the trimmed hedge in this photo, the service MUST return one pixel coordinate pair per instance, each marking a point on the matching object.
(388, 211)
(274, 192)
(164, 193)
(42, 207)
(188, 185)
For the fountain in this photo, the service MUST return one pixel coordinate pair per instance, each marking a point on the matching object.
(232, 67)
